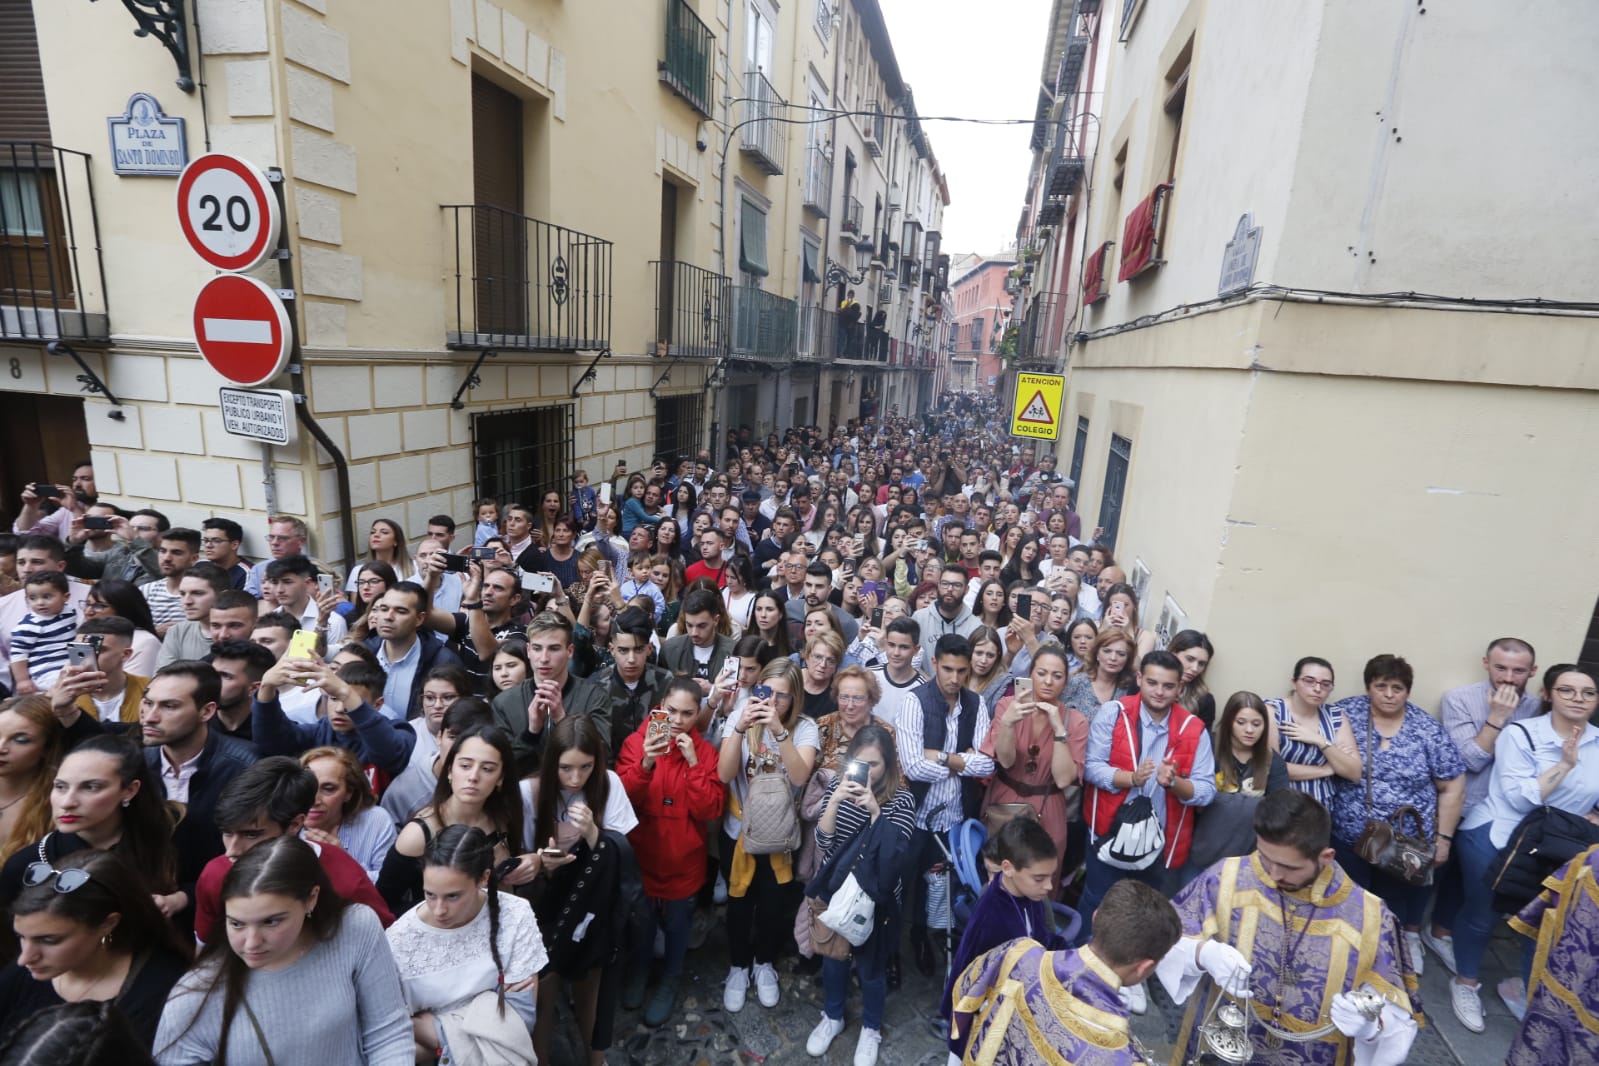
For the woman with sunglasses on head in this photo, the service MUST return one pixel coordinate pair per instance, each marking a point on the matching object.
(124, 600)
(105, 796)
(88, 931)
(465, 945)
(31, 744)
(302, 976)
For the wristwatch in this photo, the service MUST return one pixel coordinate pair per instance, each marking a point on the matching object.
(943, 758)
(478, 606)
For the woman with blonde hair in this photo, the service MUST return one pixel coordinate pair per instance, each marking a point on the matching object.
(345, 813)
(31, 745)
(766, 736)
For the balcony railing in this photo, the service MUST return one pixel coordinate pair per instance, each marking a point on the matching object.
(819, 339)
(763, 324)
(690, 56)
(1037, 337)
(763, 137)
(818, 180)
(852, 216)
(527, 285)
(52, 275)
(690, 310)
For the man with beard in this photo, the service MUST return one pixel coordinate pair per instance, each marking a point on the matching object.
(404, 652)
(946, 615)
(1286, 932)
(815, 591)
(240, 664)
(51, 515)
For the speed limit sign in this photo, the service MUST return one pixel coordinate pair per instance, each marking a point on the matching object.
(228, 211)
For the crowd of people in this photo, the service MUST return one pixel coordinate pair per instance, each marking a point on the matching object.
(509, 776)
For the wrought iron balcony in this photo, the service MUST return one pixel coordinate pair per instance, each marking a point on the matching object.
(819, 337)
(527, 285)
(763, 324)
(763, 136)
(689, 66)
(1065, 175)
(690, 310)
(852, 216)
(52, 275)
(1037, 339)
(818, 180)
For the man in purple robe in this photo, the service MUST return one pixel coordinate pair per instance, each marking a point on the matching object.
(1562, 1021)
(1019, 1005)
(1288, 933)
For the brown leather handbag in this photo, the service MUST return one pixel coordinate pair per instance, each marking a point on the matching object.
(1385, 844)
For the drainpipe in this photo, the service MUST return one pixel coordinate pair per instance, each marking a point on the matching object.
(302, 409)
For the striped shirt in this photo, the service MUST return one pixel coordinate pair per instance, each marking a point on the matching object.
(852, 820)
(165, 606)
(42, 644)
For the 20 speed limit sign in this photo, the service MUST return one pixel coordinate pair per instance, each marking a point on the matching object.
(228, 211)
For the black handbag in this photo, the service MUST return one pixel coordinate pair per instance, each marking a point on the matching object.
(1546, 840)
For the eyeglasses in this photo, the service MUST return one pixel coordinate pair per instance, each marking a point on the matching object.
(852, 700)
(213, 542)
(71, 880)
(1583, 695)
(368, 582)
(1316, 683)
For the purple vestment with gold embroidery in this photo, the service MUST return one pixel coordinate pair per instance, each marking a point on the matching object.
(1562, 1022)
(1019, 1005)
(1336, 937)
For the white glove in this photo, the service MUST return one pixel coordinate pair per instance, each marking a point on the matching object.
(1227, 965)
(1347, 1017)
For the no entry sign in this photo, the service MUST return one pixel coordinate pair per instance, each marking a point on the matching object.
(228, 211)
(242, 329)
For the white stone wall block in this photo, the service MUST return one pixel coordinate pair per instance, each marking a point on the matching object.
(149, 477)
(399, 478)
(24, 370)
(538, 59)
(318, 216)
(319, 6)
(635, 404)
(194, 382)
(288, 483)
(449, 468)
(461, 510)
(615, 407)
(372, 435)
(233, 27)
(461, 31)
(425, 430)
(460, 427)
(558, 82)
(521, 382)
(106, 477)
(555, 382)
(440, 380)
(310, 42)
(310, 98)
(255, 141)
(418, 511)
(322, 160)
(334, 428)
(220, 444)
(603, 441)
(328, 273)
(515, 42)
(107, 432)
(338, 387)
(176, 429)
(61, 373)
(249, 88)
(489, 28)
(590, 411)
(325, 325)
(396, 386)
(363, 485)
(583, 444)
(210, 483)
(137, 377)
(491, 385)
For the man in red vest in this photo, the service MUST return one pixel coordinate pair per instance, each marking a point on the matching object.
(1149, 761)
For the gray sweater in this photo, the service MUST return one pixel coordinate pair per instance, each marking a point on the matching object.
(340, 1003)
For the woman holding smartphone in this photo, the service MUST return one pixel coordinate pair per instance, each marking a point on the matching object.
(1039, 745)
(768, 735)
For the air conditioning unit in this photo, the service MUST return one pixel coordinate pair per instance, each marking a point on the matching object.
(885, 292)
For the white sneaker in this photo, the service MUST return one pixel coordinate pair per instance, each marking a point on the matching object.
(866, 1047)
(766, 984)
(1137, 998)
(1467, 1004)
(822, 1036)
(1442, 946)
(733, 993)
(1417, 957)
(1514, 994)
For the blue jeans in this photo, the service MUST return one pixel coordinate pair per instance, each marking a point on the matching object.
(1476, 923)
(835, 990)
(1101, 877)
(674, 916)
(1447, 896)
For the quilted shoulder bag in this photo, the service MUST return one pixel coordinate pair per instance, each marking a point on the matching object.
(771, 822)
(1385, 844)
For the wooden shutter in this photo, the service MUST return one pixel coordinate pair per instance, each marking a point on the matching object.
(23, 116)
(501, 256)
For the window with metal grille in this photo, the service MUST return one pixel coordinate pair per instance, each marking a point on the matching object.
(519, 455)
(1110, 503)
(677, 426)
(1078, 448)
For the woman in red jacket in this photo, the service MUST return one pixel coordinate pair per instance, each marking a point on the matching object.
(670, 775)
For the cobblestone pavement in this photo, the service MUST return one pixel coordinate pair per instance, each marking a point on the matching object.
(703, 1034)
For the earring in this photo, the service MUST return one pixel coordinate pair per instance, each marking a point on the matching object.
(126, 802)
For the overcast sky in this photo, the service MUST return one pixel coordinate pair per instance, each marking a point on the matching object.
(975, 61)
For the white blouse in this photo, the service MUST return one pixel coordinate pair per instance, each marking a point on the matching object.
(442, 969)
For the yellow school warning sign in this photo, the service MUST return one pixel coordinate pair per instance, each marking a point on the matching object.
(1038, 403)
